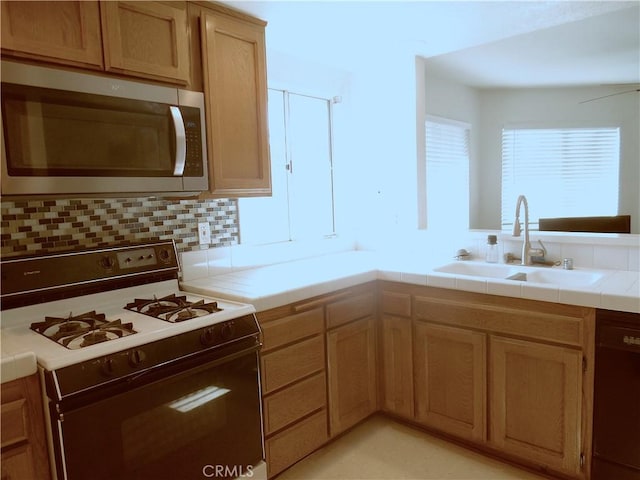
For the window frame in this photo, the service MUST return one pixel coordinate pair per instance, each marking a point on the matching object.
(290, 167)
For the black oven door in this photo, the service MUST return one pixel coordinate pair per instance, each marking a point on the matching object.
(190, 424)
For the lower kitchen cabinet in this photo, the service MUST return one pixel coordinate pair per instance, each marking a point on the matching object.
(450, 366)
(24, 448)
(294, 387)
(513, 377)
(301, 362)
(351, 359)
(535, 394)
(396, 372)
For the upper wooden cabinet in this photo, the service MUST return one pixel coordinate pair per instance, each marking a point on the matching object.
(150, 39)
(60, 32)
(235, 87)
(142, 39)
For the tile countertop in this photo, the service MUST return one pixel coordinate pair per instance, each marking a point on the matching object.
(17, 365)
(275, 285)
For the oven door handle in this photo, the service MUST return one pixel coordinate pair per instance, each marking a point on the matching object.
(181, 141)
(196, 367)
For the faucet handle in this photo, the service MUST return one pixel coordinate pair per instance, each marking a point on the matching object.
(544, 250)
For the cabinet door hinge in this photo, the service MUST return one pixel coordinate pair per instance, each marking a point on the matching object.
(582, 461)
(584, 363)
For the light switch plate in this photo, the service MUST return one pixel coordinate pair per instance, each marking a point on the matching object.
(204, 233)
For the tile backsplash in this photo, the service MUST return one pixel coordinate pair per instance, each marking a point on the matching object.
(37, 226)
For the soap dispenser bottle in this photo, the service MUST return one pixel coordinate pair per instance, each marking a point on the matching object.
(492, 249)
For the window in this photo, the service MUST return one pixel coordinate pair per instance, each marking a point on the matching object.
(563, 172)
(302, 204)
(447, 173)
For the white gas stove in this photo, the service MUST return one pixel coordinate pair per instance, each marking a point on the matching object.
(120, 347)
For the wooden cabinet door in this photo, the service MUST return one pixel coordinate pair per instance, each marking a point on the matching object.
(450, 379)
(535, 402)
(397, 366)
(18, 463)
(60, 32)
(24, 445)
(235, 86)
(351, 358)
(149, 39)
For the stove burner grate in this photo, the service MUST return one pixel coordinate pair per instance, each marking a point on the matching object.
(83, 330)
(172, 308)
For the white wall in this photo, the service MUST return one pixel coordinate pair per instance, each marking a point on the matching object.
(556, 107)
(381, 150)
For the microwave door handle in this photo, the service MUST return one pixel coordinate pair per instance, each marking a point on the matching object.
(181, 141)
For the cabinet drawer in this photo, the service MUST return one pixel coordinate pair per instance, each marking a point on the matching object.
(291, 445)
(395, 303)
(14, 422)
(285, 366)
(349, 309)
(291, 328)
(290, 404)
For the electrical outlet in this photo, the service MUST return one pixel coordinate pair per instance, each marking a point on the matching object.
(204, 233)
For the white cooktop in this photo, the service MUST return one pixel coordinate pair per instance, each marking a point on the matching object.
(18, 337)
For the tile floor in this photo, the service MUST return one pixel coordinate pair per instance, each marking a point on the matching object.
(382, 449)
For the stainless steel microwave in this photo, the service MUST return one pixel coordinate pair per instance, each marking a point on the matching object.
(68, 133)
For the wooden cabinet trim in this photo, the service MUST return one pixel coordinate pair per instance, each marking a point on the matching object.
(231, 12)
(395, 303)
(349, 309)
(501, 319)
(396, 367)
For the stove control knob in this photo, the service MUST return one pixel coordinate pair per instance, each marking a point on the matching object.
(108, 367)
(165, 255)
(136, 357)
(107, 263)
(208, 336)
(228, 330)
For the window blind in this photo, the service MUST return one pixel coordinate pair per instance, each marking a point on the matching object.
(563, 172)
(447, 172)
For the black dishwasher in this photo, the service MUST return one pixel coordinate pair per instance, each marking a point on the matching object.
(616, 415)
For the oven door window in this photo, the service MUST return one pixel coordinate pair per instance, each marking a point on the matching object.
(57, 133)
(186, 426)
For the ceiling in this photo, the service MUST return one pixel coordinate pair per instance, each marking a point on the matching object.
(486, 43)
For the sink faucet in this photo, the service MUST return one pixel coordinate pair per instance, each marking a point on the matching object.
(527, 252)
